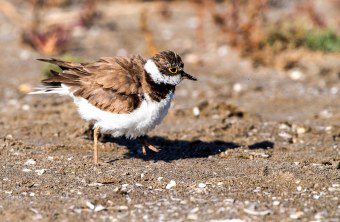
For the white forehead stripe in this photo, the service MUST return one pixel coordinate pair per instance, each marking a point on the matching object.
(151, 68)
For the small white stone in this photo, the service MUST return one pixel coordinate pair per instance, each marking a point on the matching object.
(196, 111)
(9, 137)
(30, 162)
(40, 172)
(24, 54)
(299, 188)
(191, 59)
(299, 129)
(276, 203)
(296, 75)
(319, 215)
(284, 126)
(25, 107)
(285, 135)
(89, 205)
(326, 114)
(296, 215)
(202, 185)
(192, 216)
(334, 90)
(37, 217)
(50, 158)
(98, 208)
(95, 184)
(316, 196)
(238, 87)
(159, 178)
(171, 184)
(26, 170)
(223, 50)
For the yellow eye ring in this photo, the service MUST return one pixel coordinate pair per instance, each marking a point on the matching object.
(173, 70)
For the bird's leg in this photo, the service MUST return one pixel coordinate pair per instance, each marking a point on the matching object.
(145, 145)
(95, 144)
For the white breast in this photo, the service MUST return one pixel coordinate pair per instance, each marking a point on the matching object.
(134, 124)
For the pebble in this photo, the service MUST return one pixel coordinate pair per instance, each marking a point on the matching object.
(316, 196)
(299, 129)
(95, 184)
(284, 126)
(40, 172)
(25, 88)
(98, 208)
(89, 205)
(191, 59)
(37, 217)
(196, 111)
(9, 137)
(192, 216)
(30, 162)
(223, 50)
(296, 75)
(24, 54)
(26, 170)
(285, 135)
(319, 215)
(257, 213)
(296, 215)
(202, 185)
(325, 114)
(238, 87)
(171, 184)
(334, 90)
(276, 203)
(25, 107)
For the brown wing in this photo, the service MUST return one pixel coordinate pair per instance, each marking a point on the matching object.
(111, 84)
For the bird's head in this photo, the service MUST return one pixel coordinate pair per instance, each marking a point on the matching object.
(167, 68)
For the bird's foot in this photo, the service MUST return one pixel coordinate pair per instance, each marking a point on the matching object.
(146, 145)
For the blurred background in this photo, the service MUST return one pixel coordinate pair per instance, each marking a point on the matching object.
(232, 46)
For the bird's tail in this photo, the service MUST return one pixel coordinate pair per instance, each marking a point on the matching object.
(60, 82)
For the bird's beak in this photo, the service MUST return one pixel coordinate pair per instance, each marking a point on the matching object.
(187, 76)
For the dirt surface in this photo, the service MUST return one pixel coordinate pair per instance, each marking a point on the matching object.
(241, 144)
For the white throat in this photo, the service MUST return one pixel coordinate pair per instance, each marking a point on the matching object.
(151, 68)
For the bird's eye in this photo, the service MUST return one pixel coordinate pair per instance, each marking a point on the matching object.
(173, 70)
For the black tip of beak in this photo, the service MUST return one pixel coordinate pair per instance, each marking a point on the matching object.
(187, 76)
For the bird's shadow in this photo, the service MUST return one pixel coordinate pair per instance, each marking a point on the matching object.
(170, 150)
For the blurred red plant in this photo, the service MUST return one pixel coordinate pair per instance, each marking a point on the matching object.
(52, 39)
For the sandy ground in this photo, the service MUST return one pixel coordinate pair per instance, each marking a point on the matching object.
(264, 146)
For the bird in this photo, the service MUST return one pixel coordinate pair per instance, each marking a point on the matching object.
(123, 95)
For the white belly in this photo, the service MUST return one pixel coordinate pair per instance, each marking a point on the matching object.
(132, 125)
